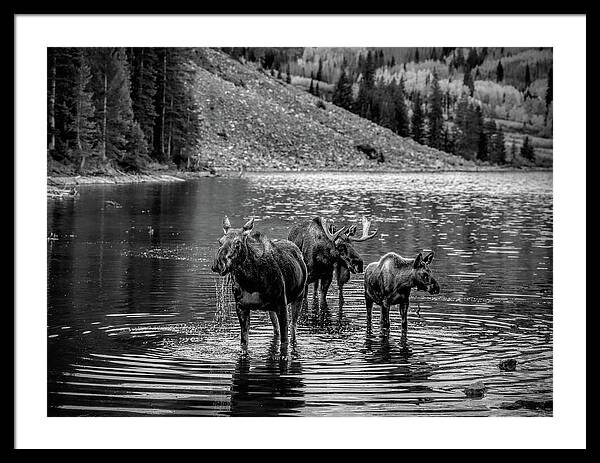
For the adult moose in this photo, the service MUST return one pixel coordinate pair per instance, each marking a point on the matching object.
(341, 270)
(388, 282)
(266, 274)
(327, 250)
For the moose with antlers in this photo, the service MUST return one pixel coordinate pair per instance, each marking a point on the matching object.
(328, 251)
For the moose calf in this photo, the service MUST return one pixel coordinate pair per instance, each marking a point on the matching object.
(388, 282)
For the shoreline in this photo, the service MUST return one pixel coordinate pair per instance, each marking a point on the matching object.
(70, 180)
(57, 181)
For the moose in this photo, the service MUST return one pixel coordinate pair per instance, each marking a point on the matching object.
(266, 275)
(328, 251)
(388, 282)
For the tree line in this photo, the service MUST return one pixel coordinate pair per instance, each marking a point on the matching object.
(124, 107)
(436, 119)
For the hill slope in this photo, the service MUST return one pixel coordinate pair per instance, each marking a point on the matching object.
(250, 118)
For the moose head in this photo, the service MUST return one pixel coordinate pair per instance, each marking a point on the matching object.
(233, 247)
(342, 241)
(422, 277)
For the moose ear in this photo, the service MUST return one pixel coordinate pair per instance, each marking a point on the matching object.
(418, 261)
(351, 231)
(428, 258)
(226, 225)
(248, 226)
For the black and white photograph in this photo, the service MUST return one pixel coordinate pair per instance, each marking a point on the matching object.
(321, 231)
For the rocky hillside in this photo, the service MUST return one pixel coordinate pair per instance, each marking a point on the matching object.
(251, 119)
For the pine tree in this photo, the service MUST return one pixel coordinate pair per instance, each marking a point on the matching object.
(182, 127)
(159, 149)
(101, 58)
(401, 120)
(459, 60)
(527, 151)
(468, 122)
(499, 72)
(527, 76)
(320, 70)
(513, 150)
(472, 59)
(478, 140)
(317, 92)
(143, 65)
(378, 99)
(51, 52)
(497, 147)
(288, 75)
(125, 141)
(386, 104)
(486, 149)
(417, 121)
(311, 89)
(83, 125)
(468, 82)
(449, 143)
(62, 74)
(365, 90)
(114, 109)
(436, 117)
(479, 136)
(71, 127)
(380, 60)
(342, 94)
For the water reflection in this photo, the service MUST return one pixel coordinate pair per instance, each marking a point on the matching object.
(270, 389)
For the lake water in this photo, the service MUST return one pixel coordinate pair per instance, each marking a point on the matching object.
(134, 327)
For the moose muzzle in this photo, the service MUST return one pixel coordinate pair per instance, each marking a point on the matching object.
(356, 265)
(433, 287)
(218, 266)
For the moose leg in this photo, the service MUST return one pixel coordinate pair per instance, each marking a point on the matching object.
(305, 299)
(323, 294)
(315, 301)
(296, 310)
(341, 296)
(282, 315)
(385, 315)
(244, 318)
(369, 305)
(404, 314)
(274, 322)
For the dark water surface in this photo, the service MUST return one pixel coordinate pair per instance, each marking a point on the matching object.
(134, 328)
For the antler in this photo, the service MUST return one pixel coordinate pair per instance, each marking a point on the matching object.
(226, 224)
(366, 223)
(331, 236)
